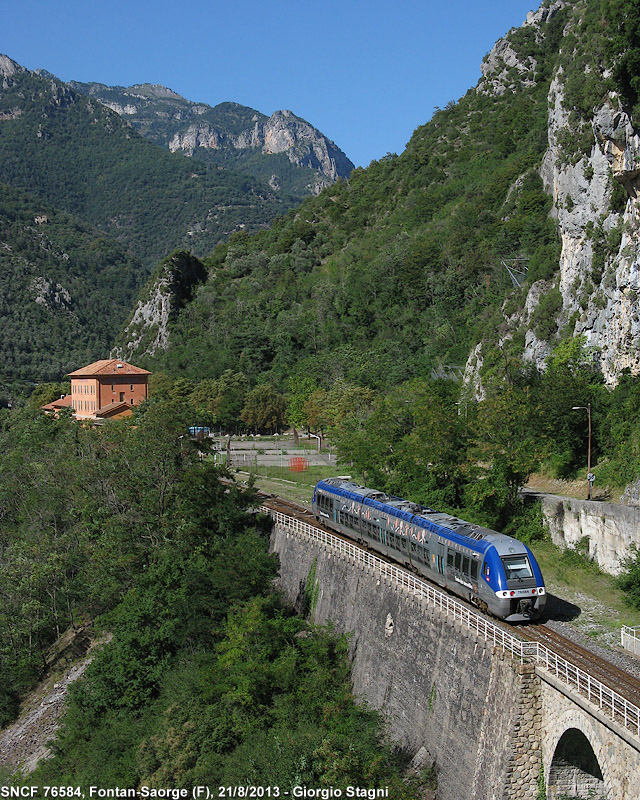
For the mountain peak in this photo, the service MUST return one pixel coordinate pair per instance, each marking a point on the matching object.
(9, 67)
(231, 135)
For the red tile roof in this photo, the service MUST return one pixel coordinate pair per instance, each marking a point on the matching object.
(61, 402)
(113, 408)
(108, 366)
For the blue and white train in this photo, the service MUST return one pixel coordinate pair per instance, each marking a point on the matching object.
(495, 572)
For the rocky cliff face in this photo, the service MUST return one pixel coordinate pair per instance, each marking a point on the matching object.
(591, 169)
(599, 302)
(282, 132)
(8, 67)
(228, 133)
(167, 291)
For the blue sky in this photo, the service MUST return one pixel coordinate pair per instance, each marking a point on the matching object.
(365, 72)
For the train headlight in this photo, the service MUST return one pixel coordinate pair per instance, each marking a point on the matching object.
(512, 593)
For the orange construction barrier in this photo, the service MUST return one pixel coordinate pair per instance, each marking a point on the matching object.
(298, 464)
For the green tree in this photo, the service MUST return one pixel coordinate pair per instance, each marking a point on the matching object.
(300, 390)
(264, 409)
(629, 579)
(509, 440)
(571, 379)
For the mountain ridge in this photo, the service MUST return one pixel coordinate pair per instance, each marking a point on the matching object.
(78, 155)
(225, 132)
(538, 162)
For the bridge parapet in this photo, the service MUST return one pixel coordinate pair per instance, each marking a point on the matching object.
(597, 693)
(489, 708)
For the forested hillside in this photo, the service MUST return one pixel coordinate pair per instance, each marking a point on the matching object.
(78, 155)
(368, 304)
(397, 270)
(64, 287)
(286, 152)
(402, 269)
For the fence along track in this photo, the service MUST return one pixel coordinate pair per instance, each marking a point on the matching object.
(630, 639)
(607, 700)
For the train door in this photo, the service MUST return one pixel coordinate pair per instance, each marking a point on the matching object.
(441, 553)
(383, 534)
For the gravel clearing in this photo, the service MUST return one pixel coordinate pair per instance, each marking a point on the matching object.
(584, 628)
(25, 742)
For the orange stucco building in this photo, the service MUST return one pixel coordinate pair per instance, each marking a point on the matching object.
(107, 388)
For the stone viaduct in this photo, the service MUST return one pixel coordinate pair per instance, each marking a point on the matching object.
(500, 718)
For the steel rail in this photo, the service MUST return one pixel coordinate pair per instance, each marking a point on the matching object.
(606, 699)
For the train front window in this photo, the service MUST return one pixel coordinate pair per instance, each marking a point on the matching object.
(517, 567)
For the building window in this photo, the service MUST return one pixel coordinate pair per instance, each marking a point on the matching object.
(132, 401)
(131, 386)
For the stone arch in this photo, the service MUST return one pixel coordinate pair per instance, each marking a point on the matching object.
(575, 772)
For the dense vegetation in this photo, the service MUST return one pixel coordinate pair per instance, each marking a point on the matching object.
(397, 271)
(159, 114)
(76, 154)
(209, 677)
(64, 289)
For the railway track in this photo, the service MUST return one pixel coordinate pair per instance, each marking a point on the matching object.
(622, 682)
(611, 675)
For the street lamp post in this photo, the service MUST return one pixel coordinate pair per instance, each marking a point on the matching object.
(590, 475)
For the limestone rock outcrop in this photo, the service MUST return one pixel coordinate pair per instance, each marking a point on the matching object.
(600, 301)
(227, 132)
(167, 291)
(597, 211)
(282, 132)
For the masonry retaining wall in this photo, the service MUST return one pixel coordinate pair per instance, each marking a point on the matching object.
(610, 528)
(474, 710)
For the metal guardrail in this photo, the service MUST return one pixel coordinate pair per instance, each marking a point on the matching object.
(630, 639)
(597, 693)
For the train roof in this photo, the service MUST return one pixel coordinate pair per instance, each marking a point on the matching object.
(468, 534)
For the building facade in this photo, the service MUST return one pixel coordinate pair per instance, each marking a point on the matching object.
(107, 388)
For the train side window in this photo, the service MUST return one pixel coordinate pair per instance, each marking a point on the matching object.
(450, 559)
(465, 564)
(458, 561)
(474, 570)
(427, 557)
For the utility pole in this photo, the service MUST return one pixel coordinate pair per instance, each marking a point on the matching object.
(590, 476)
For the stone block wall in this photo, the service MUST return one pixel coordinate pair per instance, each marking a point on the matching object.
(444, 691)
(610, 528)
(599, 756)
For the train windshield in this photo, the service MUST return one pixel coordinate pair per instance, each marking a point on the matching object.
(517, 567)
